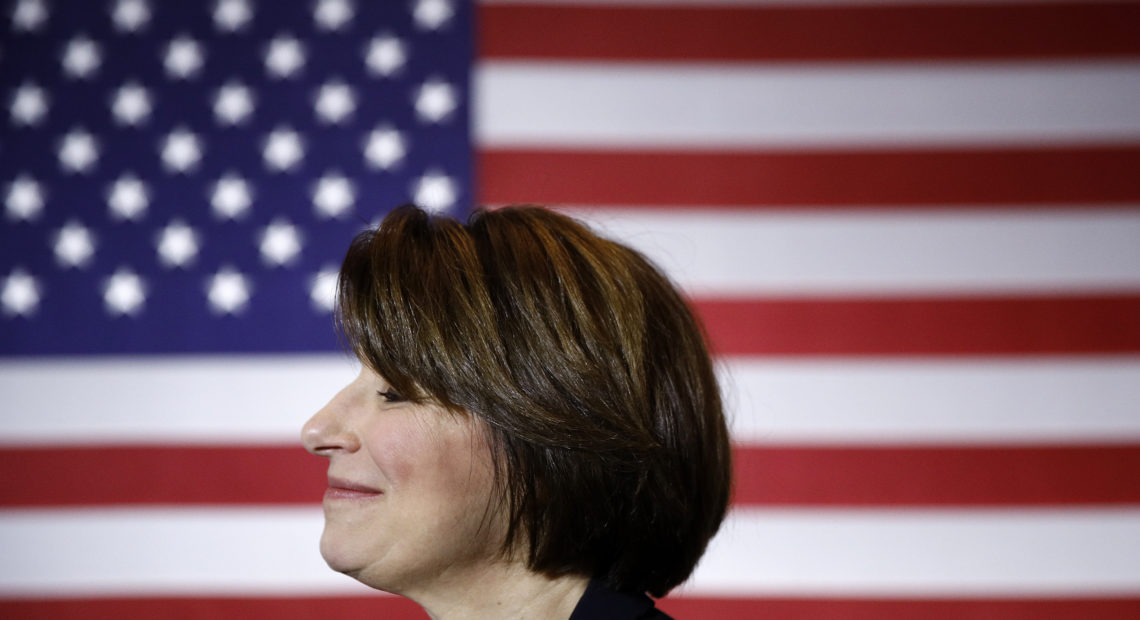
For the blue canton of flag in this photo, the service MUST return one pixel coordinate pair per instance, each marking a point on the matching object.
(185, 177)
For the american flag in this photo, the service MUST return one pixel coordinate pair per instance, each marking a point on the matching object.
(183, 177)
(911, 228)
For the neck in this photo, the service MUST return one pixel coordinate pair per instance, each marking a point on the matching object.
(505, 592)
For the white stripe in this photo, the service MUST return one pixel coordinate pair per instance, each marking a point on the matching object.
(963, 400)
(741, 252)
(265, 400)
(106, 552)
(647, 105)
(949, 553)
(224, 399)
(273, 551)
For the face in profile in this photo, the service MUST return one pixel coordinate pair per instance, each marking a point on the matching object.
(576, 432)
(410, 488)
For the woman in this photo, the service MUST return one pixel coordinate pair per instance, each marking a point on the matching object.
(536, 431)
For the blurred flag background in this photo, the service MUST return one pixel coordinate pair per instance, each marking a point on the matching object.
(910, 227)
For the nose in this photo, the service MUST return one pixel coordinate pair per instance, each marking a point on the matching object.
(327, 432)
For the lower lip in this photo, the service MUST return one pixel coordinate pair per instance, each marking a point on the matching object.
(339, 493)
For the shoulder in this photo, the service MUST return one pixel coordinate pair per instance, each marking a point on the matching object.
(601, 603)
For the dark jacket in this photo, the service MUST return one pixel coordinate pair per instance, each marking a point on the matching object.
(600, 603)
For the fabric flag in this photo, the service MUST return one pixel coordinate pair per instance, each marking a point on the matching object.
(186, 178)
(911, 229)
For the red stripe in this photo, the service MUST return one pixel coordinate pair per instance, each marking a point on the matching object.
(901, 609)
(938, 475)
(787, 475)
(1027, 325)
(66, 476)
(213, 608)
(687, 33)
(895, 177)
(393, 608)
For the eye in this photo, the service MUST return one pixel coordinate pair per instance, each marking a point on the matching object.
(391, 396)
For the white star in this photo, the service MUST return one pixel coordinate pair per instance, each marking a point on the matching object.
(384, 148)
(231, 197)
(232, 15)
(29, 105)
(81, 57)
(435, 101)
(181, 151)
(128, 198)
(333, 195)
(280, 243)
(228, 291)
(29, 15)
(335, 102)
(74, 245)
(78, 151)
(333, 14)
(385, 55)
(431, 14)
(21, 293)
(283, 150)
(435, 192)
(131, 104)
(284, 56)
(177, 245)
(233, 103)
(25, 200)
(124, 293)
(322, 289)
(183, 57)
(130, 15)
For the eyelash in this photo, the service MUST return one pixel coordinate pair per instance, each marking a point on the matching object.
(390, 396)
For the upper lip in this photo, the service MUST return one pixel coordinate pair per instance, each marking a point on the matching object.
(342, 483)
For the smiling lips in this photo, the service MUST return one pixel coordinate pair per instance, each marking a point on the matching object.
(346, 489)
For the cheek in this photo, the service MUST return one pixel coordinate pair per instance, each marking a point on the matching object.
(395, 450)
(432, 459)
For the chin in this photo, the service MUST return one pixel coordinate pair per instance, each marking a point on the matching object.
(340, 556)
(345, 555)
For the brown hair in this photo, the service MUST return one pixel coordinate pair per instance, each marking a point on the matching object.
(588, 370)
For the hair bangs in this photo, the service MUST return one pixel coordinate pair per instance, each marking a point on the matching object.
(409, 304)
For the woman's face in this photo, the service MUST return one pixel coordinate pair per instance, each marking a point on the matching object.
(410, 487)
